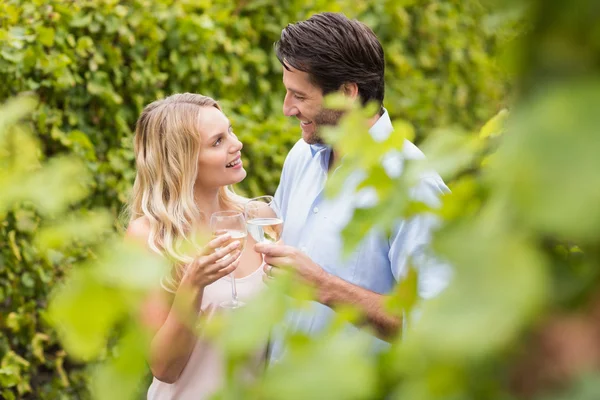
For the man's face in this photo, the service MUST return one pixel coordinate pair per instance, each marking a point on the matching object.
(304, 101)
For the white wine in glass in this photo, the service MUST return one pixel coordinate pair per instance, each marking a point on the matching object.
(263, 218)
(265, 230)
(234, 224)
(236, 235)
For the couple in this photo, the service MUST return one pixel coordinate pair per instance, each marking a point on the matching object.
(187, 155)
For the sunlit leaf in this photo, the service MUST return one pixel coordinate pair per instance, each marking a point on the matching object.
(84, 312)
(120, 377)
(549, 159)
(13, 111)
(84, 229)
(130, 267)
(320, 370)
(41, 187)
(495, 126)
(502, 281)
(449, 152)
(405, 294)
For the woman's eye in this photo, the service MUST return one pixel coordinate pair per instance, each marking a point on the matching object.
(218, 142)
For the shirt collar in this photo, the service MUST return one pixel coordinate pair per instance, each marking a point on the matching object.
(315, 148)
(382, 128)
(379, 131)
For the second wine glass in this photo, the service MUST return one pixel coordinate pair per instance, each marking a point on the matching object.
(263, 218)
(234, 224)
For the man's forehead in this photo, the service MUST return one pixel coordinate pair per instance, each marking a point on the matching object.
(289, 67)
(297, 81)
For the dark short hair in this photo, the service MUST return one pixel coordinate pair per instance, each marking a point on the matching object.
(335, 50)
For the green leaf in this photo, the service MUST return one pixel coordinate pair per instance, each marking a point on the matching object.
(449, 153)
(84, 229)
(26, 221)
(403, 130)
(548, 161)
(81, 20)
(130, 267)
(84, 312)
(495, 126)
(405, 294)
(13, 322)
(320, 370)
(37, 346)
(502, 280)
(41, 188)
(13, 111)
(121, 376)
(13, 245)
(46, 36)
(380, 181)
(239, 335)
(337, 101)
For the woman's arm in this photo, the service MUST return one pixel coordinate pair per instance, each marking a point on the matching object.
(174, 339)
(176, 314)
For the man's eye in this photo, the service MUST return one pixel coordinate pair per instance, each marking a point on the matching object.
(298, 97)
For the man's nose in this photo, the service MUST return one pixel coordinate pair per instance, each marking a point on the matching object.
(289, 109)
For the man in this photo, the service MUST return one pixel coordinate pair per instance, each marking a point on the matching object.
(324, 54)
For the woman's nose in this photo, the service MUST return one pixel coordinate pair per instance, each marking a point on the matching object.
(237, 145)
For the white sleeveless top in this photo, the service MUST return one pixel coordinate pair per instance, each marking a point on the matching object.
(204, 372)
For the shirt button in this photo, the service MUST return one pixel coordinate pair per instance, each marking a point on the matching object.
(316, 210)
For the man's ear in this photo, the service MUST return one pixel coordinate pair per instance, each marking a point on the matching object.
(350, 89)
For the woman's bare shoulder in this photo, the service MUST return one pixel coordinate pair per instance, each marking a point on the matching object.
(139, 229)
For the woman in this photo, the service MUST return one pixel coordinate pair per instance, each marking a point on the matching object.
(186, 156)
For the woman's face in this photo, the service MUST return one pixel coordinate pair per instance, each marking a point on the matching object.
(219, 161)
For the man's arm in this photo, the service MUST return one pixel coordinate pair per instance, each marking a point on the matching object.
(331, 290)
(410, 240)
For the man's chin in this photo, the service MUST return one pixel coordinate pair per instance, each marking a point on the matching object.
(313, 138)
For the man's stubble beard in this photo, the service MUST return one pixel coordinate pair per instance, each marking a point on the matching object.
(324, 118)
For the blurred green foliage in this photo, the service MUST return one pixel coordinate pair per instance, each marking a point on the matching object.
(521, 230)
(519, 319)
(94, 65)
(47, 238)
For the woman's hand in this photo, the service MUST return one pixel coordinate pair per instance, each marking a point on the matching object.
(213, 264)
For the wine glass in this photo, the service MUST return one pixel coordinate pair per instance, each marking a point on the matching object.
(234, 224)
(265, 225)
(263, 219)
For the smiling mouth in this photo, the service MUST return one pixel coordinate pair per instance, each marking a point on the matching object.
(234, 163)
(305, 123)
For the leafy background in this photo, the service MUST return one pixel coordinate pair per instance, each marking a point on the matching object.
(521, 227)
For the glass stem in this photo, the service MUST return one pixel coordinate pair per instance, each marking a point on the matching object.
(234, 296)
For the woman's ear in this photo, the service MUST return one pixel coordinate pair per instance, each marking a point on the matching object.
(350, 89)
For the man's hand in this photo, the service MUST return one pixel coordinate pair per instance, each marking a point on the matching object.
(331, 290)
(279, 258)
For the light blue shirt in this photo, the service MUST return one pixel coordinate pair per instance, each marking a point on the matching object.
(313, 224)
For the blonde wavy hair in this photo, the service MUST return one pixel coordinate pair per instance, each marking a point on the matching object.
(167, 145)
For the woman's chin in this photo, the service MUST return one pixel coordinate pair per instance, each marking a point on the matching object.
(231, 178)
(240, 176)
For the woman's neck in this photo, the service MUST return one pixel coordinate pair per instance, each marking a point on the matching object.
(207, 200)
